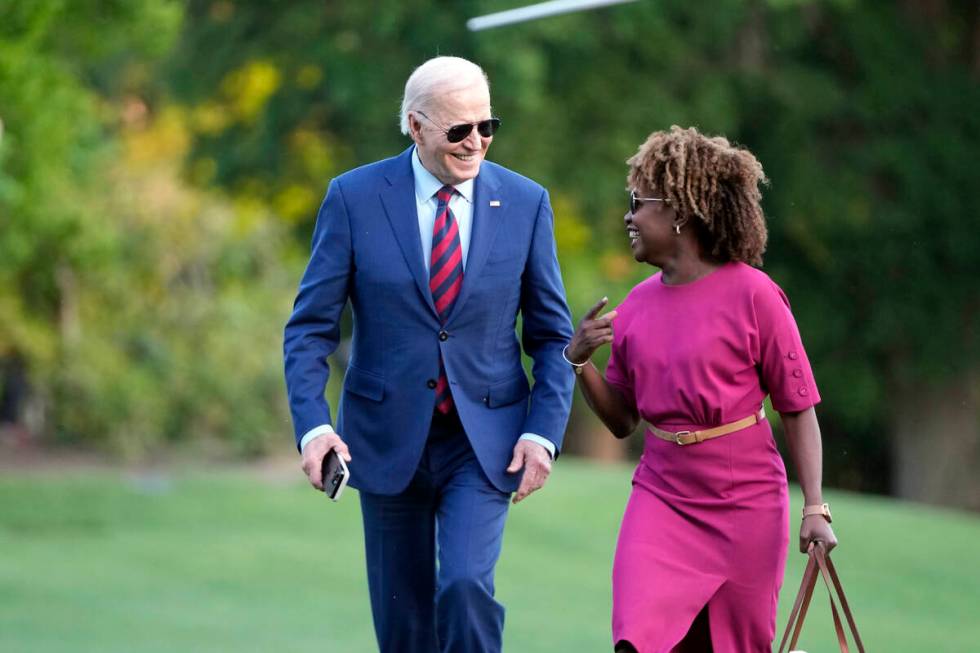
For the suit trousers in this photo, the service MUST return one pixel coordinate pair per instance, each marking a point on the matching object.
(431, 552)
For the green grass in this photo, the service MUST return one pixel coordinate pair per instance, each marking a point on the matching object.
(233, 560)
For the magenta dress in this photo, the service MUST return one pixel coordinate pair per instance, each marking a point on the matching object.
(706, 524)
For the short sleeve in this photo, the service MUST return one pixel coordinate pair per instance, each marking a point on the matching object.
(618, 373)
(783, 363)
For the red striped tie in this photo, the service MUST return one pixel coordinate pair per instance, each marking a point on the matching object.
(445, 278)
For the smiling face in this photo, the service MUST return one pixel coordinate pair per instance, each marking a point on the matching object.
(651, 229)
(452, 163)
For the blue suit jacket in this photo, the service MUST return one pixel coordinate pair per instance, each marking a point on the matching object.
(366, 249)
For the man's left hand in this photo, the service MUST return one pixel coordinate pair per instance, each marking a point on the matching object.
(535, 461)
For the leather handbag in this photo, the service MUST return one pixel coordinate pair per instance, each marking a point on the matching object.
(820, 564)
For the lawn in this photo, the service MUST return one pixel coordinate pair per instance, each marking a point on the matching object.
(204, 560)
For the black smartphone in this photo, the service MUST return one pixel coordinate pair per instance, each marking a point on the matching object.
(335, 475)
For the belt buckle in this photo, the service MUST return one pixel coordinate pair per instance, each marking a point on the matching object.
(679, 435)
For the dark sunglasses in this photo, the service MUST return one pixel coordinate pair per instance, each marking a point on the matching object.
(456, 133)
(637, 202)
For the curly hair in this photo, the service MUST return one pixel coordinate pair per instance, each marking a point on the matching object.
(710, 183)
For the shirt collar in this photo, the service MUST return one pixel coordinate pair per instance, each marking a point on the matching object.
(426, 184)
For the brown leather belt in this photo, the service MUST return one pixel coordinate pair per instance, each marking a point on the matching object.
(693, 437)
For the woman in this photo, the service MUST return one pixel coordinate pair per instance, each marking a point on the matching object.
(695, 350)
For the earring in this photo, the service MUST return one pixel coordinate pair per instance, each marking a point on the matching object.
(677, 229)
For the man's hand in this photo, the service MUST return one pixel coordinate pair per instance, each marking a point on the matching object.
(535, 461)
(314, 452)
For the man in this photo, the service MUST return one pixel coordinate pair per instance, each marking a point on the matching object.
(438, 251)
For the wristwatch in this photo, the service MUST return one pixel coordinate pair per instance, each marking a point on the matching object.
(822, 509)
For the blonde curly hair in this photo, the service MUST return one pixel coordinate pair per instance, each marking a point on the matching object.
(711, 184)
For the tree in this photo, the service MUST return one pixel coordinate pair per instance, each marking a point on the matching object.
(50, 151)
(133, 300)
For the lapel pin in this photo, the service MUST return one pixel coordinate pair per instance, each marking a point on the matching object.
(494, 202)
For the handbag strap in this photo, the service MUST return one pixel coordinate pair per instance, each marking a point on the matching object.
(800, 605)
(819, 564)
(829, 573)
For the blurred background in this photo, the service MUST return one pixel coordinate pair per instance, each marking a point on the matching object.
(161, 165)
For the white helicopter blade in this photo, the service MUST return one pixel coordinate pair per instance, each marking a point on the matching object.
(533, 12)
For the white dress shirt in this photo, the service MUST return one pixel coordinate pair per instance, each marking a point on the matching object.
(461, 204)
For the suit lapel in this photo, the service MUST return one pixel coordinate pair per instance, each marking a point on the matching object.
(486, 222)
(399, 202)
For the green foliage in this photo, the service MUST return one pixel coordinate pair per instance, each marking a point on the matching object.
(219, 560)
(135, 299)
(175, 319)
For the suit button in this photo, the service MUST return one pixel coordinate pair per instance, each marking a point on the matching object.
(802, 392)
(792, 355)
(443, 336)
(486, 400)
(431, 383)
(797, 373)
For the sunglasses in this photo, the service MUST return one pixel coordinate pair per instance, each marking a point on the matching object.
(456, 133)
(637, 202)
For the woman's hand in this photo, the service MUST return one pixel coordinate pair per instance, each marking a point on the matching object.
(591, 334)
(816, 529)
(618, 413)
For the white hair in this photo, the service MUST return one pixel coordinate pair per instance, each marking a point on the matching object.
(435, 77)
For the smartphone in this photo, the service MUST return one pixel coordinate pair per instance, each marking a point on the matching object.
(335, 475)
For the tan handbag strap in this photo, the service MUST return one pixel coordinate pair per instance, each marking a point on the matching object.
(819, 563)
(829, 573)
(800, 605)
(838, 627)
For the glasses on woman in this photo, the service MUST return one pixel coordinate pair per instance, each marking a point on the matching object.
(456, 133)
(637, 202)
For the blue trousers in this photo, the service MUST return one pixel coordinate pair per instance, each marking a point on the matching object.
(431, 552)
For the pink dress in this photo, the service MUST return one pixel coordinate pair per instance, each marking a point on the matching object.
(706, 524)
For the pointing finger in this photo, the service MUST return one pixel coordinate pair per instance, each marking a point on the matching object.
(595, 309)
